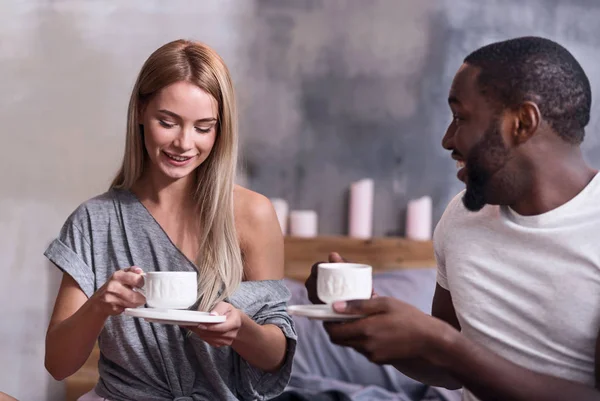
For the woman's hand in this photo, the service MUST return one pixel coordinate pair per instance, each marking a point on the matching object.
(118, 292)
(224, 333)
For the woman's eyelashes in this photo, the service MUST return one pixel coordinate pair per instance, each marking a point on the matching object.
(168, 125)
(203, 130)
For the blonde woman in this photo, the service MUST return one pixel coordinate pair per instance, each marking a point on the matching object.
(174, 206)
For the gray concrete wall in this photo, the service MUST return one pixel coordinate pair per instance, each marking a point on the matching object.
(330, 91)
(344, 91)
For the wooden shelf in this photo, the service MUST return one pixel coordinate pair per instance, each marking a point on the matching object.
(383, 253)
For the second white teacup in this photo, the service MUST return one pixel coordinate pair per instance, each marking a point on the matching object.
(344, 282)
(170, 290)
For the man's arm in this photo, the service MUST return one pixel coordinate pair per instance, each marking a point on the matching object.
(395, 331)
(416, 368)
(443, 308)
(472, 376)
(493, 378)
(422, 370)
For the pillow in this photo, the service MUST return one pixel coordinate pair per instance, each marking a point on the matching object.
(316, 356)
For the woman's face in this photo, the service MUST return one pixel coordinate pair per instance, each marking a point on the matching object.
(180, 128)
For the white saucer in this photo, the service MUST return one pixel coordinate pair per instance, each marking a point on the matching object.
(179, 317)
(320, 312)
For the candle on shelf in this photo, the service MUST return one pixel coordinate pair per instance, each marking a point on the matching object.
(303, 223)
(281, 209)
(360, 210)
(418, 219)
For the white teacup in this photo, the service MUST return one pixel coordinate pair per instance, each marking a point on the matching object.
(170, 290)
(344, 282)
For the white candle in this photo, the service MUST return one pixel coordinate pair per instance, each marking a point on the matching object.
(303, 223)
(418, 219)
(360, 210)
(281, 209)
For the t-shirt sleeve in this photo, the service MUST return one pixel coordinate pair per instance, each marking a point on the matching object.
(72, 253)
(439, 241)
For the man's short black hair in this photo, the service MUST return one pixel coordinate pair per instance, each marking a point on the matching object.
(538, 70)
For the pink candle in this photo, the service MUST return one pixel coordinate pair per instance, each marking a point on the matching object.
(360, 210)
(303, 223)
(418, 219)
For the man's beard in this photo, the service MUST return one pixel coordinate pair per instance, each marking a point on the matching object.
(487, 157)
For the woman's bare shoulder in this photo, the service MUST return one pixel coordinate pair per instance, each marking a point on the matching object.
(260, 235)
(251, 207)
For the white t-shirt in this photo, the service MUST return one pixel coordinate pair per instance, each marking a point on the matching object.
(527, 287)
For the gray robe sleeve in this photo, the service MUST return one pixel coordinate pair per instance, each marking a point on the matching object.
(265, 302)
(72, 253)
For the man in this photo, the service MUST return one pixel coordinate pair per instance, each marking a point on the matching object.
(516, 310)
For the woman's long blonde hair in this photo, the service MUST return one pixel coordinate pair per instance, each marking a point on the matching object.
(219, 262)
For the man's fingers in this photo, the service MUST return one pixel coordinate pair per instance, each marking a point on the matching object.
(311, 281)
(311, 284)
(357, 345)
(342, 333)
(335, 257)
(364, 306)
(314, 270)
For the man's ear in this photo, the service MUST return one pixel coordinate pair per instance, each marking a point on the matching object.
(527, 121)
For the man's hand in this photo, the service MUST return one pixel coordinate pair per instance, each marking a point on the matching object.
(311, 281)
(391, 332)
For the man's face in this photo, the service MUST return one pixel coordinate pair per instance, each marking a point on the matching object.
(475, 137)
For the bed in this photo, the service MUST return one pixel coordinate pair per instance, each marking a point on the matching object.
(402, 268)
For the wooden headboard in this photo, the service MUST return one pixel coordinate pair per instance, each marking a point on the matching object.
(300, 254)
